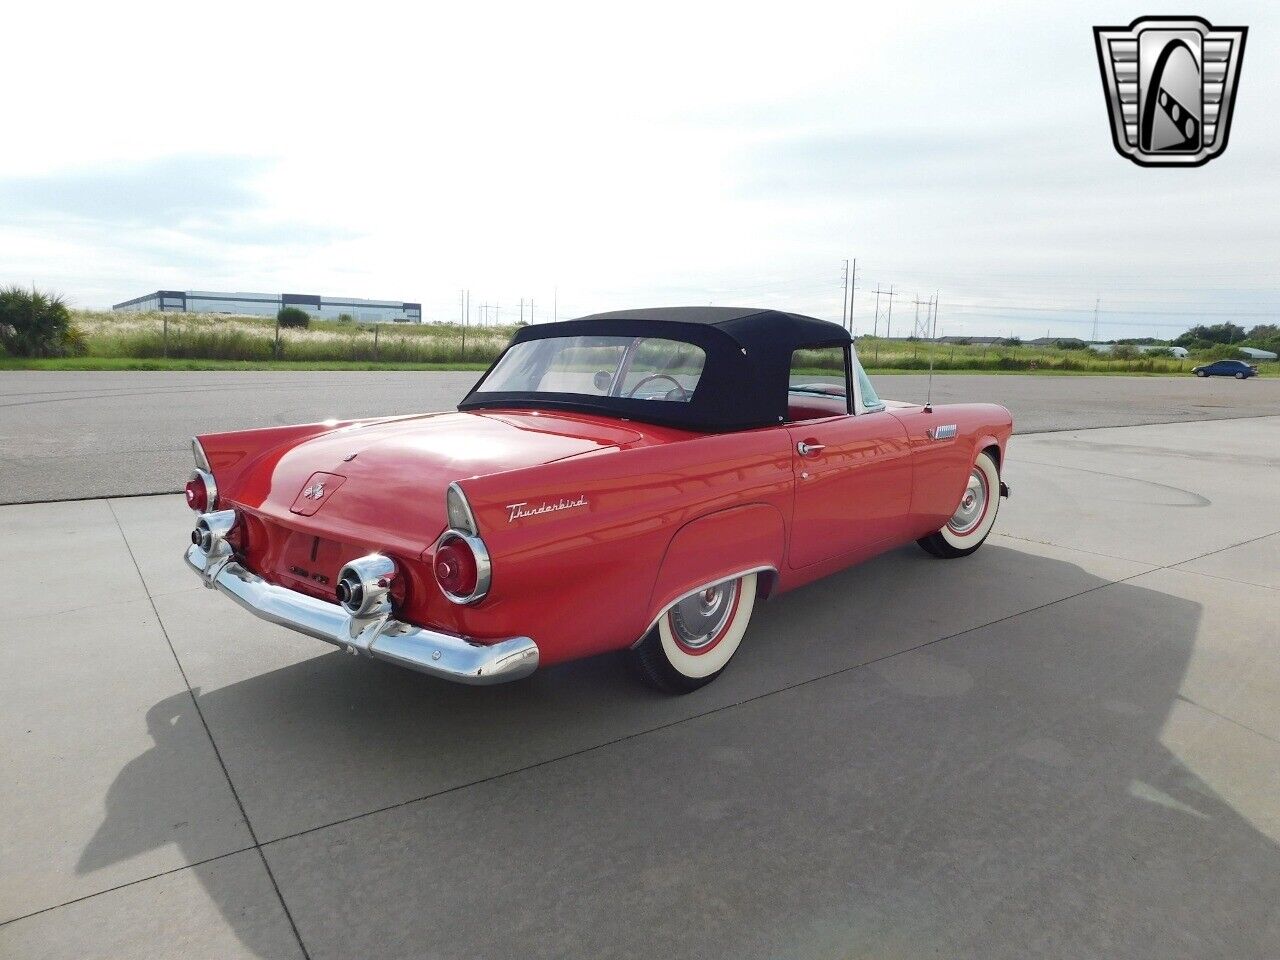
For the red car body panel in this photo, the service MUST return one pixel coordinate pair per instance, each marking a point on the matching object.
(648, 512)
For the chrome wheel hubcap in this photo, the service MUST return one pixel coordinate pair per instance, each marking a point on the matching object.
(973, 504)
(700, 619)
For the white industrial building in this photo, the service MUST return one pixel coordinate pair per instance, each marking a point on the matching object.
(1253, 353)
(1179, 352)
(268, 304)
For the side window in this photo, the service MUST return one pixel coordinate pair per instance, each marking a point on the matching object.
(818, 385)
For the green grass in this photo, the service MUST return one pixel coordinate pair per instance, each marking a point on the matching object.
(124, 341)
(135, 363)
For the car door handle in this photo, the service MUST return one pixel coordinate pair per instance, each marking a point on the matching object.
(806, 449)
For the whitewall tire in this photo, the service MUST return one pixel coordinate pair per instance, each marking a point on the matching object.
(974, 516)
(695, 638)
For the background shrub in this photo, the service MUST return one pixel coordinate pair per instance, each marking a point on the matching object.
(293, 317)
(35, 324)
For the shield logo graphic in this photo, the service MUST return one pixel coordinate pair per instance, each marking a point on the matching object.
(1170, 84)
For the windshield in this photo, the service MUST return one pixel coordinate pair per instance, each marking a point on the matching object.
(643, 368)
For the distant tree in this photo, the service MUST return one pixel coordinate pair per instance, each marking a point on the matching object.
(1219, 351)
(1217, 333)
(1159, 352)
(35, 324)
(962, 341)
(346, 318)
(1265, 336)
(1012, 341)
(293, 317)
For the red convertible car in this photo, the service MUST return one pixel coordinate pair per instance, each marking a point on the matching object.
(634, 480)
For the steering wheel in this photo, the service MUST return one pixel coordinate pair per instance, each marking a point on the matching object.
(684, 394)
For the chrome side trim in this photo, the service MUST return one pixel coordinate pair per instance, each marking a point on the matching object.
(197, 451)
(432, 652)
(698, 589)
(944, 432)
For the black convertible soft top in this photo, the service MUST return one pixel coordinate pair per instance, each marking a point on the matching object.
(743, 382)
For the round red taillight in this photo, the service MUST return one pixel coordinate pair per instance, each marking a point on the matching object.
(197, 494)
(455, 567)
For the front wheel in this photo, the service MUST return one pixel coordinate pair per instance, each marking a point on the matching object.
(1201, 373)
(694, 639)
(1240, 376)
(968, 527)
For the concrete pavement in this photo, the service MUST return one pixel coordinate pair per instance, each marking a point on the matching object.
(1066, 745)
(74, 435)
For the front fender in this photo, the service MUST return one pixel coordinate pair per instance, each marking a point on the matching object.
(715, 547)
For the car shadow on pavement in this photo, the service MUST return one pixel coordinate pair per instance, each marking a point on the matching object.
(1008, 791)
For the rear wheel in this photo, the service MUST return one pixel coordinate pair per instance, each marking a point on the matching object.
(968, 527)
(695, 638)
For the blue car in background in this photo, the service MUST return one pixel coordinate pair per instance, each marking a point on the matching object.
(1226, 368)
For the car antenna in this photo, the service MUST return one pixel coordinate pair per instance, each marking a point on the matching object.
(928, 395)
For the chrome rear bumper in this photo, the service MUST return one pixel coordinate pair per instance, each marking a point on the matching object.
(432, 652)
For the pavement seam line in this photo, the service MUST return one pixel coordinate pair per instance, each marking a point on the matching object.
(585, 750)
(440, 793)
(1223, 717)
(1091, 553)
(730, 706)
(127, 883)
(244, 814)
(697, 716)
(1177, 568)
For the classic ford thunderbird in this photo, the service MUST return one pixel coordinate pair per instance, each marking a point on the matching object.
(627, 481)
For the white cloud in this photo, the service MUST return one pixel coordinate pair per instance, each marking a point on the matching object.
(674, 153)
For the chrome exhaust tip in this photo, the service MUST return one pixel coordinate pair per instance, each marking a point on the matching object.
(212, 530)
(364, 586)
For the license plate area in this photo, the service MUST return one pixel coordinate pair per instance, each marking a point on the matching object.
(311, 564)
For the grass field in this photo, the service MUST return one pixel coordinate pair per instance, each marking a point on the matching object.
(155, 341)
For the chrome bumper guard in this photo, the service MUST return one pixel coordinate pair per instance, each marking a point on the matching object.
(444, 655)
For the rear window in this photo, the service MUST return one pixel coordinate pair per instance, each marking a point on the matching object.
(642, 368)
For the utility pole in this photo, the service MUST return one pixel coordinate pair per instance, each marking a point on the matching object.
(888, 323)
(875, 322)
(853, 286)
(531, 311)
(844, 297)
(1096, 303)
(522, 309)
(555, 304)
(462, 311)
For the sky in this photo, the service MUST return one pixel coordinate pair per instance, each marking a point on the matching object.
(587, 159)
